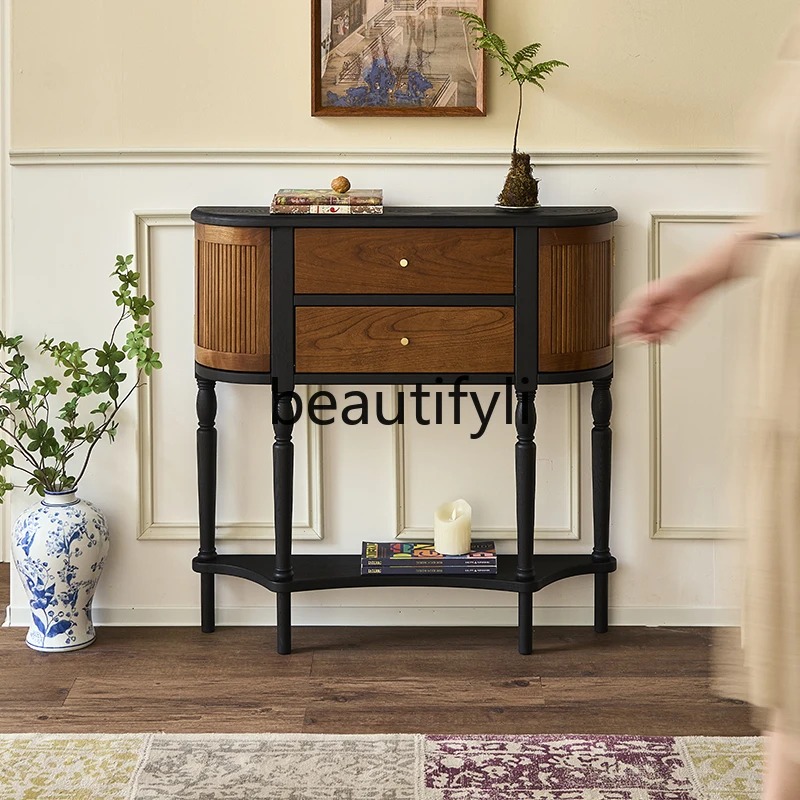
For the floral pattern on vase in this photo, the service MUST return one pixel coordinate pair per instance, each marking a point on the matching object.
(59, 547)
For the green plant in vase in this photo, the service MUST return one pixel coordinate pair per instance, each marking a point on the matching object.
(29, 442)
(49, 428)
(521, 189)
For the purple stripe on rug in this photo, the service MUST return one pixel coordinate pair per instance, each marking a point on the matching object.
(559, 767)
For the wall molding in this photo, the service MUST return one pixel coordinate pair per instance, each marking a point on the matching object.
(167, 156)
(402, 616)
(657, 529)
(149, 527)
(413, 533)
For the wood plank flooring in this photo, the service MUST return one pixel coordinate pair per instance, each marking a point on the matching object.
(646, 681)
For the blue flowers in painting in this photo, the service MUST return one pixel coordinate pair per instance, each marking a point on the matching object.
(380, 81)
(418, 84)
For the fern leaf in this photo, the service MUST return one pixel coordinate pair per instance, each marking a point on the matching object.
(470, 17)
(486, 44)
(491, 41)
(527, 53)
(540, 71)
(497, 50)
(502, 47)
(476, 24)
(517, 66)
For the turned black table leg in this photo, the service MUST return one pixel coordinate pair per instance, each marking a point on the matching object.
(207, 494)
(283, 480)
(525, 457)
(601, 495)
(283, 602)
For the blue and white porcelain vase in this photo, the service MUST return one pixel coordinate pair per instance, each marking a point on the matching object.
(59, 546)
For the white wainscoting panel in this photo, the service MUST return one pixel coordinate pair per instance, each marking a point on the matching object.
(483, 474)
(693, 392)
(165, 244)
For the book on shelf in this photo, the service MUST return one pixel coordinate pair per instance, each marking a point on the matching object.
(482, 553)
(421, 558)
(324, 209)
(423, 563)
(413, 569)
(326, 197)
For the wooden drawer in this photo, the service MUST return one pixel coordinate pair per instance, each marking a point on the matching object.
(429, 339)
(232, 298)
(404, 261)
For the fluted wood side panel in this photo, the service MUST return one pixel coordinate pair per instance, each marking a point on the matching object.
(232, 300)
(575, 274)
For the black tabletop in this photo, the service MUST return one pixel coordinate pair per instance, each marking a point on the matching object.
(411, 217)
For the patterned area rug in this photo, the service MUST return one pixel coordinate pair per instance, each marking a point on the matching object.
(378, 767)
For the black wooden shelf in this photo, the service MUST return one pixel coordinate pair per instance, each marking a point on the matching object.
(410, 216)
(343, 572)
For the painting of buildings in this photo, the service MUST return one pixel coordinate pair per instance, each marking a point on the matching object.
(396, 57)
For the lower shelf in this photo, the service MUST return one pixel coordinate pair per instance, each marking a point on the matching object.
(343, 572)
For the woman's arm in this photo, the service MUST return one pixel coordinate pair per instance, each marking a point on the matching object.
(657, 309)
(729, 260)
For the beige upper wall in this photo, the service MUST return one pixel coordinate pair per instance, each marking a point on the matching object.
(236, 74)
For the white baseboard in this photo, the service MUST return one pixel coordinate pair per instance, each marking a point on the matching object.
(370, 616)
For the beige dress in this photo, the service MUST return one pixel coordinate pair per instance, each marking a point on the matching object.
(771, 607)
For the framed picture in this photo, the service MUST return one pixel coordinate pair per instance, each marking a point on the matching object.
(406, 58)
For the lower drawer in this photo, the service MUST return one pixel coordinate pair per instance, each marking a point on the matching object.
(428, 339)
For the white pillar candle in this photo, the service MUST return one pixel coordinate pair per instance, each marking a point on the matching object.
(452, 528)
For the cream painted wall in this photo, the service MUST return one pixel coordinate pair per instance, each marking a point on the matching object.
(236, 74)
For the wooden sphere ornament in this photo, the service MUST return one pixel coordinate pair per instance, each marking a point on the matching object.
(340, 185)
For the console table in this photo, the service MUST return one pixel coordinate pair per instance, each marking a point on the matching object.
(411, 296)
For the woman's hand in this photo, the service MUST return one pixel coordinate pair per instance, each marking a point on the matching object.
(657, 309)
(661, 307)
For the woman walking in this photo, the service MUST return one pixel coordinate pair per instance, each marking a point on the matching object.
(767, 247)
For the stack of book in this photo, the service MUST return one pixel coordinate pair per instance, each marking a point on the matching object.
(326, 201)
(419, 558)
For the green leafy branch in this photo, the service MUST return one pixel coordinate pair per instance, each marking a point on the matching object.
(519, 66)
(26, 432)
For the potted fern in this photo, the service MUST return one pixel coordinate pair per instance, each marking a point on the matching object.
(521, 189)
(46, 435)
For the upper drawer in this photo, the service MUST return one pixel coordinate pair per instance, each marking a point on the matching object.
(404, 261)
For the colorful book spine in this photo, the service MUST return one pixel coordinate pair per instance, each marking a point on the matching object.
(442, 570)
(323, 209)
(414, 552)
(438, 562)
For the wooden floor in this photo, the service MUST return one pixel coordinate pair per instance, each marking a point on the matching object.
(646, 681)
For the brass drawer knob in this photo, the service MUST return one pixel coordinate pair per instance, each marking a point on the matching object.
(404, 342)
(403, 262)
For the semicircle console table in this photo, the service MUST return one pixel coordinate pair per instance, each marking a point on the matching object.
(410, 296)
